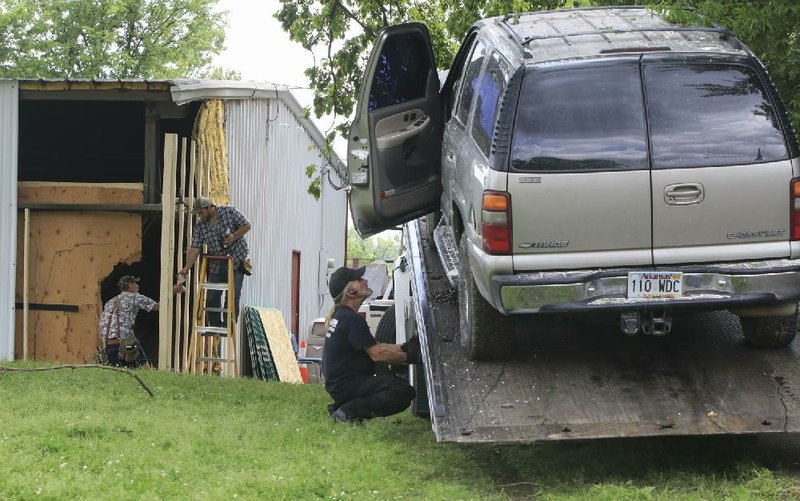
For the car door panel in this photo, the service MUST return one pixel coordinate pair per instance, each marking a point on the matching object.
(394, 149)
(721, 171)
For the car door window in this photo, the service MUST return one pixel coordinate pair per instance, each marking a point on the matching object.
(401, 74)
(490, 85)
(580, 116)
(456, 75)
(470, 82)
(710, 114)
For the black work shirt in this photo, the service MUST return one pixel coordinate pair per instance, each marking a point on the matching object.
(344, 359)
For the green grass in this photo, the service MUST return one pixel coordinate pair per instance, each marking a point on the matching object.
(95, 434)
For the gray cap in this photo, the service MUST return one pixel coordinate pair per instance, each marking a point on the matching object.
(201, 203)
(125, 280)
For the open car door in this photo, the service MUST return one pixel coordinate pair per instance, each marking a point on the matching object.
(394, 147)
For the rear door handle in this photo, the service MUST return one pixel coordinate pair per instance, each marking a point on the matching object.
(684, 194)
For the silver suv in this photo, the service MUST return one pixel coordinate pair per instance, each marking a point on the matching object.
(595, 161)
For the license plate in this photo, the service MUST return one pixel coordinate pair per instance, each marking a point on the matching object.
(655, 284)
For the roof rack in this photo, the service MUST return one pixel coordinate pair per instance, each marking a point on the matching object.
(721, 31)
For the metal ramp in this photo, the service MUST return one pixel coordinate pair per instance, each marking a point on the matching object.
(579, 380)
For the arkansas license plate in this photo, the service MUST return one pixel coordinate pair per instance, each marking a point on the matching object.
(655, 284)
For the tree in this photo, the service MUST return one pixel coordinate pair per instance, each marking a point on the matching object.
(770, 28)
(381, 248)
(343, 32)
(152, 39)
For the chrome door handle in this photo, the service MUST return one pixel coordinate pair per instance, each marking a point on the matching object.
(684, 194)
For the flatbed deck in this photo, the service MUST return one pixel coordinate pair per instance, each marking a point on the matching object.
(572, 379)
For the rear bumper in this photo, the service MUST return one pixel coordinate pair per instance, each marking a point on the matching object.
(713, 286)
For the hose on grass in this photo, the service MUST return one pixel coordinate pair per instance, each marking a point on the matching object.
(85, 366)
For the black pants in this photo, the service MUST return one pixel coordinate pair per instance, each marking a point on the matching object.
(215, 297)
(374, 396)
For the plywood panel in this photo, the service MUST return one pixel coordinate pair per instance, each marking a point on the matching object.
(280, 346)
(84, 193)
(70, 254)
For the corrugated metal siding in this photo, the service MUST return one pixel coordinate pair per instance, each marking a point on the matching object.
(9, 112)
(268, 151)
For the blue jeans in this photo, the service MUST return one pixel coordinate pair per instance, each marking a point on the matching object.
(214, 297)
(112, 350)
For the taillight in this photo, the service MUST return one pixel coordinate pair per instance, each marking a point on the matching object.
(496, 222)
(795, 206)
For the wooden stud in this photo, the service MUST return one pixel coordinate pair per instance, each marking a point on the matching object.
(167, 251)
(26, 248)
(176, 334)
(190, 286)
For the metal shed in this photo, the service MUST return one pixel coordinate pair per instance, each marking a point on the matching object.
(295, 239)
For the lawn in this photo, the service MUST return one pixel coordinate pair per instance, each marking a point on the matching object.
(96, 434)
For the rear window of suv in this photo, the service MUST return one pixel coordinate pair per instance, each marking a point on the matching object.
(582, 116)
(710, 114)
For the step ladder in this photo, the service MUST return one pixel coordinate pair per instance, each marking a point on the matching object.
(205, 345)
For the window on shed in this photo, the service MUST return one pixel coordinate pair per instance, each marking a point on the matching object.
(470, 83)
(710, 114)
(492, 83)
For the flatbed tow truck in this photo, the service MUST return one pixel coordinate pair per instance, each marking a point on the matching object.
(571, 380)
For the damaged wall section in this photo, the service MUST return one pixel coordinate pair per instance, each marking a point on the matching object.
(71, 253)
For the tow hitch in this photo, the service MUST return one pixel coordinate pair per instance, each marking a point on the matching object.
(655, 323)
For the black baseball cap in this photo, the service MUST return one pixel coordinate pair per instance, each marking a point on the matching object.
(341, 277)
(125, 280)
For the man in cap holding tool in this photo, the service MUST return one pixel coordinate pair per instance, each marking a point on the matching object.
(222, 229)
(350, 353)
(118, 317)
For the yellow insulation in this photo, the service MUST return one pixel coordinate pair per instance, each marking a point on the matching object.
(212, 153)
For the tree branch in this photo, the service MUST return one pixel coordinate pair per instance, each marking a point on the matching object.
(85, 366)
(352, 16)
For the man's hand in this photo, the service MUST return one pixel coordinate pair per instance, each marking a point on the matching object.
(184, 271)
(413, 350)
(228, 240)
(177, 288)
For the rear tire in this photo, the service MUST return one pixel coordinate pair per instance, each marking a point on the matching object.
(386, 332)
(769, 332)
(486, 334)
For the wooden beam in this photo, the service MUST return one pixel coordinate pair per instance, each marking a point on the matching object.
(26, 250)
(151, 188)
(167, 251)
(188, 321)
(66, 184)
(181, 213)
(135, 208)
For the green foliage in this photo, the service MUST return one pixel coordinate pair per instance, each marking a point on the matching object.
(382, 247)
(344, 30)
(155, 39)
(771, 28)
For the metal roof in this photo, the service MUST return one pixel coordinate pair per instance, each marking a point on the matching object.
(185, 91)
(576, 33)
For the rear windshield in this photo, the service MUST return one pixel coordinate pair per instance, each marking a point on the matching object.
(581, 117)
(710, 114)
(590, 116)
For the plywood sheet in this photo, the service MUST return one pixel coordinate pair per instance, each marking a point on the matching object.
(83, 193)
(280, 346)
(70, 254)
